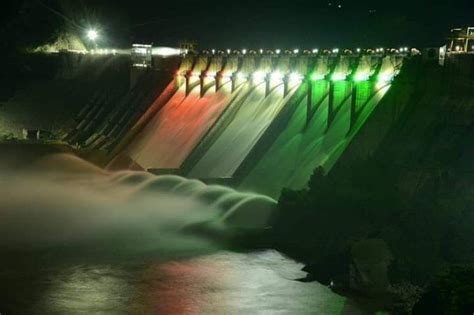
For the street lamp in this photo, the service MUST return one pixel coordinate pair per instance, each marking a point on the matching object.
(92, 35)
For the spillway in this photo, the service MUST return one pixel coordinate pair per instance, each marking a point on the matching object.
(306, 144)
(175, 130)
(249, 123)
(262, 122)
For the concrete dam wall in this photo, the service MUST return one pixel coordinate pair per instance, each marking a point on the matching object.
(259, 122)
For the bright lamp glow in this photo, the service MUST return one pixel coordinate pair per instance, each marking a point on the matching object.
(385, 77)
(338, 77)
(277, 76)
(317, 77)
(296, 77)
(258, 76)
(92, 34)
(361, 77)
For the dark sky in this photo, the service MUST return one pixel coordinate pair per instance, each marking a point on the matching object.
(272, 24)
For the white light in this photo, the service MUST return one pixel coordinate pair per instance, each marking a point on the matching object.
(296, 51)
(458, 48)
(258, 76)
(92, 34)
(358, 50)
(277, 75)
(165, 51)
(228, 51)
(244, 51)
(241, 76)
(277, 51)
(213, 51)
(335, 50)
(315, 51)
(261, 51)
(295, 77)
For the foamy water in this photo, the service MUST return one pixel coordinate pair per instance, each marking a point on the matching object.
(62, 201)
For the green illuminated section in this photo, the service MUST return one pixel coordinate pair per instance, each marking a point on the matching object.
(342, 90)
(363, 92)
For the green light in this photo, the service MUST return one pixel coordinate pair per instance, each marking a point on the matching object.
(317, 77)
(361, 77)
(338, 77)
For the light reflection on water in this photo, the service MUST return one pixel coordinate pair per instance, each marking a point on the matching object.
(220, 283)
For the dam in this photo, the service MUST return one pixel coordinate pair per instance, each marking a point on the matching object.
(259, 122)
(194, 150)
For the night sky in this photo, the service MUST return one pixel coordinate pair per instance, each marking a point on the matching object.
(238, 24)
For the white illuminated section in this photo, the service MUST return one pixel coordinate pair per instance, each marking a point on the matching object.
(295, 77)
(165, 51)
(276, 76)
(296, 51)
(258, 77)
(278, 51)
(335, 51)
(315, 51)
(244, 51)
(241, 76)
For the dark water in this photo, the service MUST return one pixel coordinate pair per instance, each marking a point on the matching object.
(219, 283)
(75, 239)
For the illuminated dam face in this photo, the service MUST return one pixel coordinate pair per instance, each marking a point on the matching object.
(263, 122)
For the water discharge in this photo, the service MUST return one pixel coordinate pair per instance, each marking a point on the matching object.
(303, 146)
(248, 124)
(174, 132)
(63, 202)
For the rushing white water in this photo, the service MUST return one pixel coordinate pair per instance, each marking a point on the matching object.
(247, 126)
(304, 146)
(65, 202)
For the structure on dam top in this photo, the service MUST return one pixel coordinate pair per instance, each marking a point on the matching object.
(461, 40)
